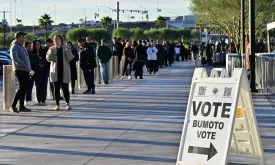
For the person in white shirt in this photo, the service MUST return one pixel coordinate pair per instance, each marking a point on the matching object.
(152, 58)
(177, 52)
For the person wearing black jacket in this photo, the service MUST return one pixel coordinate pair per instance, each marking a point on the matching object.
(73, 65)
(117, 49)
(87, 64)
(128, 52)
(160, 53)
(140, 54)
(41, 73)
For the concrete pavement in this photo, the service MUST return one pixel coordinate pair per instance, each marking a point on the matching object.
(135, 122)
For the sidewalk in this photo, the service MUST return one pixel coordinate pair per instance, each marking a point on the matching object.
(129, 122)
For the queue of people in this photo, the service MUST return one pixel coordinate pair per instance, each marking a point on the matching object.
(35, 65)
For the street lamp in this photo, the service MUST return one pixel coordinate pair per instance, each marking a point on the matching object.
(141, 9)
(157, 8)
(55, 14)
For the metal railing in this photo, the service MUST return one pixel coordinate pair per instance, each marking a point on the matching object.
(264, 70)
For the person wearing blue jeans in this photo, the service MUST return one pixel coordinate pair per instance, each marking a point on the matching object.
(104, 54)
(104, 70)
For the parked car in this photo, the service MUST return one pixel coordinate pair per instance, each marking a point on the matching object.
(5, 54)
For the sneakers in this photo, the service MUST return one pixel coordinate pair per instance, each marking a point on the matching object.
(24, 109)
(141, 78)
(122, 78)
(57, 108)
(68, 107)
(14, 110)
(30, 103)
(93, 92)
(129, 77)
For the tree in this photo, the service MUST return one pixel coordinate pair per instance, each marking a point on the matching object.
(45, 21)
(106, 22)
(227, 14)
(160, 21)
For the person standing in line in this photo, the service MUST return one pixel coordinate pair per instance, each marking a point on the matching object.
(182, 52)
(49, 43)
(41, 73)
(34, 62)
(22, 67)
(87, 64)
(140, 54)
(177, 52)
(128, 53)
(73, 66)
(152, 58)
(60, 74)
(194, 52)
(160, 54)
(166, 51)
(104, 54)
(146, 44)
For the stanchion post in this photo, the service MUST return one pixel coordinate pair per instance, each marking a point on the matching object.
(9, 86)
(97, 72)
(115, 67)
(111, 71)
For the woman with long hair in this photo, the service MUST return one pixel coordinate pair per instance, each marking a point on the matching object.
(41, 73)
(60, 73)
(128, 53)
(73, 65)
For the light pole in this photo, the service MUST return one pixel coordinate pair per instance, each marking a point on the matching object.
(22, 12)
(55, 14)
(252, 44)
(15, 12)
(4, 23)
(141, 10)
(10, 17)
(157, 8)
(243, 29)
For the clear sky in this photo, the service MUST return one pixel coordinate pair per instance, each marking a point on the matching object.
(68, 11)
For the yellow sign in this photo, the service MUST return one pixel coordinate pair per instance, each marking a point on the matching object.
(239, 112)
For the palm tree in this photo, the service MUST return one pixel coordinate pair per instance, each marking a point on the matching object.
(106, 22)
(45, 21)
(160, 21)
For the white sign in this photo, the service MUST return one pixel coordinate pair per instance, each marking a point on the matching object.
(210, 117)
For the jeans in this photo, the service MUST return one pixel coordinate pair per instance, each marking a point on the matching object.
(89, 76)
(23, 79)
(65, 88)
(29, 90)
(105, 69)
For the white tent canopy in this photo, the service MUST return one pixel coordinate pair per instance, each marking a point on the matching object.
(269, 27)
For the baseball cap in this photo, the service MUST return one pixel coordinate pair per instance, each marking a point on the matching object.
(19, 34)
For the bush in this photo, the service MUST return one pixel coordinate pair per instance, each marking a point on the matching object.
(153, 34)
(195, 34)
(9, 39)
(98, 34)
(185, 34)
(137, 34)
(74, 34)
(122, 33)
